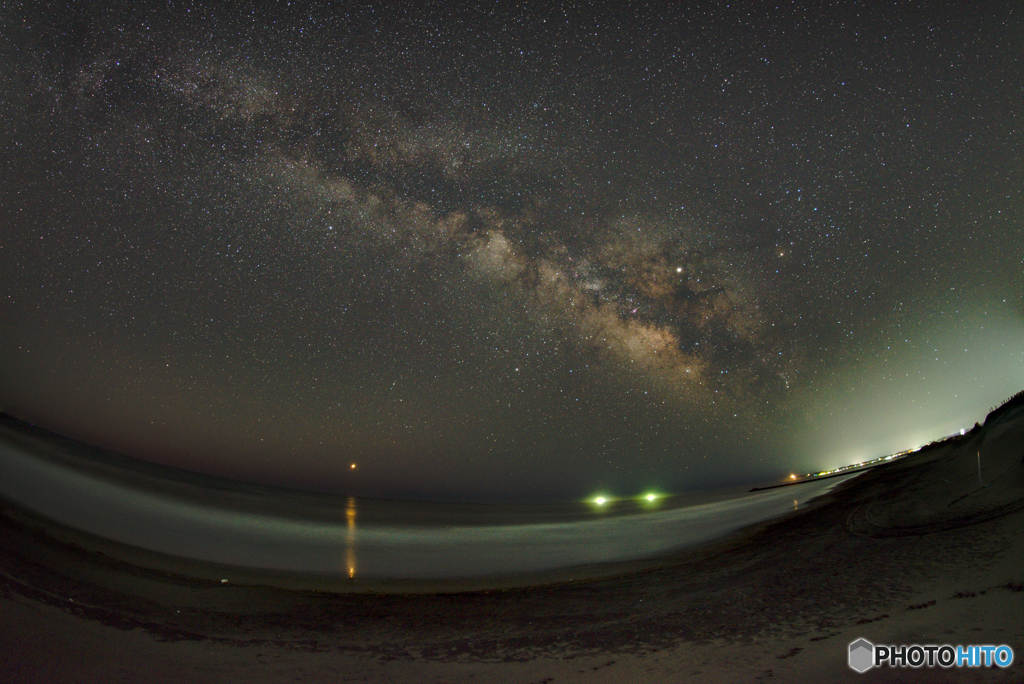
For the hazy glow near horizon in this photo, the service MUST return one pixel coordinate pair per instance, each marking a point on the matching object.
(908, 401)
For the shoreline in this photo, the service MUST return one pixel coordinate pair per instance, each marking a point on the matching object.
(915, 552)
(162, 519)
(129, 558)
(818, 478)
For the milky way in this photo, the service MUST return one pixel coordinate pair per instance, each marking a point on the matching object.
(499, 252)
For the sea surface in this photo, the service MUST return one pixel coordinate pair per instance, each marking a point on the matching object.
(211, 519)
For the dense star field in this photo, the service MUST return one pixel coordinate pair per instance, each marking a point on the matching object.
(498, 252)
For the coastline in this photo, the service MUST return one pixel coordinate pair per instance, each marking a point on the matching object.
(912, 552)
(26, 528)
(193, 525)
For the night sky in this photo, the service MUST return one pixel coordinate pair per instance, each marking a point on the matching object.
(504, 253)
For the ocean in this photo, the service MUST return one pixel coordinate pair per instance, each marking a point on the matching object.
(210, 519)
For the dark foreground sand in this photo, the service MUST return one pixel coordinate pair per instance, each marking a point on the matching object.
(911, 552)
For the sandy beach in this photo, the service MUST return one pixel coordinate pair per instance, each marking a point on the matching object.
(919, 551)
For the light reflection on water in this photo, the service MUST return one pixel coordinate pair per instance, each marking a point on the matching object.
(350, 538)
(258, 527)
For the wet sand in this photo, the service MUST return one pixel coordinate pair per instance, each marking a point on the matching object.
(916, 551)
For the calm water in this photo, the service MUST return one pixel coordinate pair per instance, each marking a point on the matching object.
(215, 520)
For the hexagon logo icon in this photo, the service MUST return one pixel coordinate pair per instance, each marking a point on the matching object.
(862, 655)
